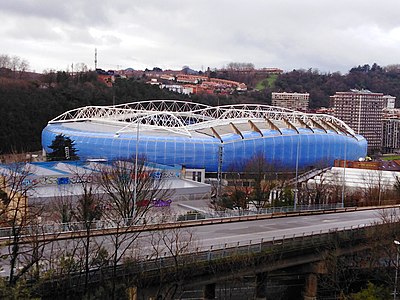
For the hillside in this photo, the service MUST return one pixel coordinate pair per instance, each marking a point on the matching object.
(27, 106)
(321, 86)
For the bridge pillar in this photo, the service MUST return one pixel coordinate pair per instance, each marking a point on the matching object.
(311, 287)
(261, 286)
(209, 291)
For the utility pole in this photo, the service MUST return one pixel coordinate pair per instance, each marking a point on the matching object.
(95, 58)
(219, 174)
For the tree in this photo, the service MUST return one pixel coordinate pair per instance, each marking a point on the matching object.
(397, 186)
(85, 253)
(15, 64)
(377, 262)
(49, 77)
(250, 183)
(174, 244)
(235, 195)
(372, 292)
(63, 149)
(18, 214)
(19, 291)
(130, 186)
(64, 209)
(323, 188)
(89, 209)
(239, 66)
(265, 180)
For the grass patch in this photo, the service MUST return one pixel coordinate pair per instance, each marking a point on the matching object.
(391, 157)
(268, 82)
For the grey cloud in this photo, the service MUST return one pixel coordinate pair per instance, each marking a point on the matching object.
(329, 35)
(73, 12)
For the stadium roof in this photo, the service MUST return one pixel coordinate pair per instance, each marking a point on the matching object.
(194, 119)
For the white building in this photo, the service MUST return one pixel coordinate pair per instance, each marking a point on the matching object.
(389, 102)
(52, 180)
(295, 101)
(357, 178)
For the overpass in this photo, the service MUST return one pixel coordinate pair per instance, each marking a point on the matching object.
(252, 245)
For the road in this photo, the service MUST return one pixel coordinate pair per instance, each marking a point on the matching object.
(243, 232)
(217, 235)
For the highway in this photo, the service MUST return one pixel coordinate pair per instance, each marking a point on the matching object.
(214, 236)
(226, 235)
(268, 229)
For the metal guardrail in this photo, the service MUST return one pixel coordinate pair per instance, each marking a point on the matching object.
(281, 209)
(59, 228)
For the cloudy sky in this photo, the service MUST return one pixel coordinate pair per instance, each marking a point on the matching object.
(328, 35)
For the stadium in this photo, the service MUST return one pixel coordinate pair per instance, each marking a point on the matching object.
(193, 135)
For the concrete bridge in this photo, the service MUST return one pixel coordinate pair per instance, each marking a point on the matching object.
(246, 247)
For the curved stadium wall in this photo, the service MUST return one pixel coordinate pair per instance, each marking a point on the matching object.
(198, 136)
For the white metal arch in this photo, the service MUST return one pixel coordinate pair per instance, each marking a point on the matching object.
(181, 117)
(163, 119)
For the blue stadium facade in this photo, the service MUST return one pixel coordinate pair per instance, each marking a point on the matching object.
(198, 136)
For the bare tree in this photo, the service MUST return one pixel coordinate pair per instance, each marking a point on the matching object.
(64, 209)
(235, 195)
(264, 179)
(325, 188)
(23, 68)
(81, 67)
(130, 188)
(5, 61)
(15, 64)
(375, 190)
(21, 217)
(239, 66)
(172, 246)
(377, 262)
(89, 209)
(397, 187)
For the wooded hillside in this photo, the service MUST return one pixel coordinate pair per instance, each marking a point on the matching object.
(27, 105)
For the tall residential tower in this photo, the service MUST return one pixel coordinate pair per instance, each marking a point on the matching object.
(362, 111)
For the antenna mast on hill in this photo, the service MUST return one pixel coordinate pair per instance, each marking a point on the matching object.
(95, 58)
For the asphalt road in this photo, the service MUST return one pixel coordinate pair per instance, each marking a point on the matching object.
(216, 235)
(268, 229)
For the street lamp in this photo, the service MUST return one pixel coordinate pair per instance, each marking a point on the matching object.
(397, 243)
(297, 173)
(344, 172)
(136, 167)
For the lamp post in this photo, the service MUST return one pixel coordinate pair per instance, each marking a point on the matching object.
(397, 243)
(219, 171)
(344, 172)
(297, 173)
(136, 168)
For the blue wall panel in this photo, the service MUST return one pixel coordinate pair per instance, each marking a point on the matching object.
(280, 150)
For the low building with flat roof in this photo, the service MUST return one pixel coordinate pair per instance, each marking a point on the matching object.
(295, 101)
(43, 183)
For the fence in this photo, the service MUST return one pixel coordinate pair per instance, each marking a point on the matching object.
(58, 228)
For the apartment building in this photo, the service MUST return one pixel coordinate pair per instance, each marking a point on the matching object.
(389, 102)
(362, 110)
(295, 101)
(391, 135)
